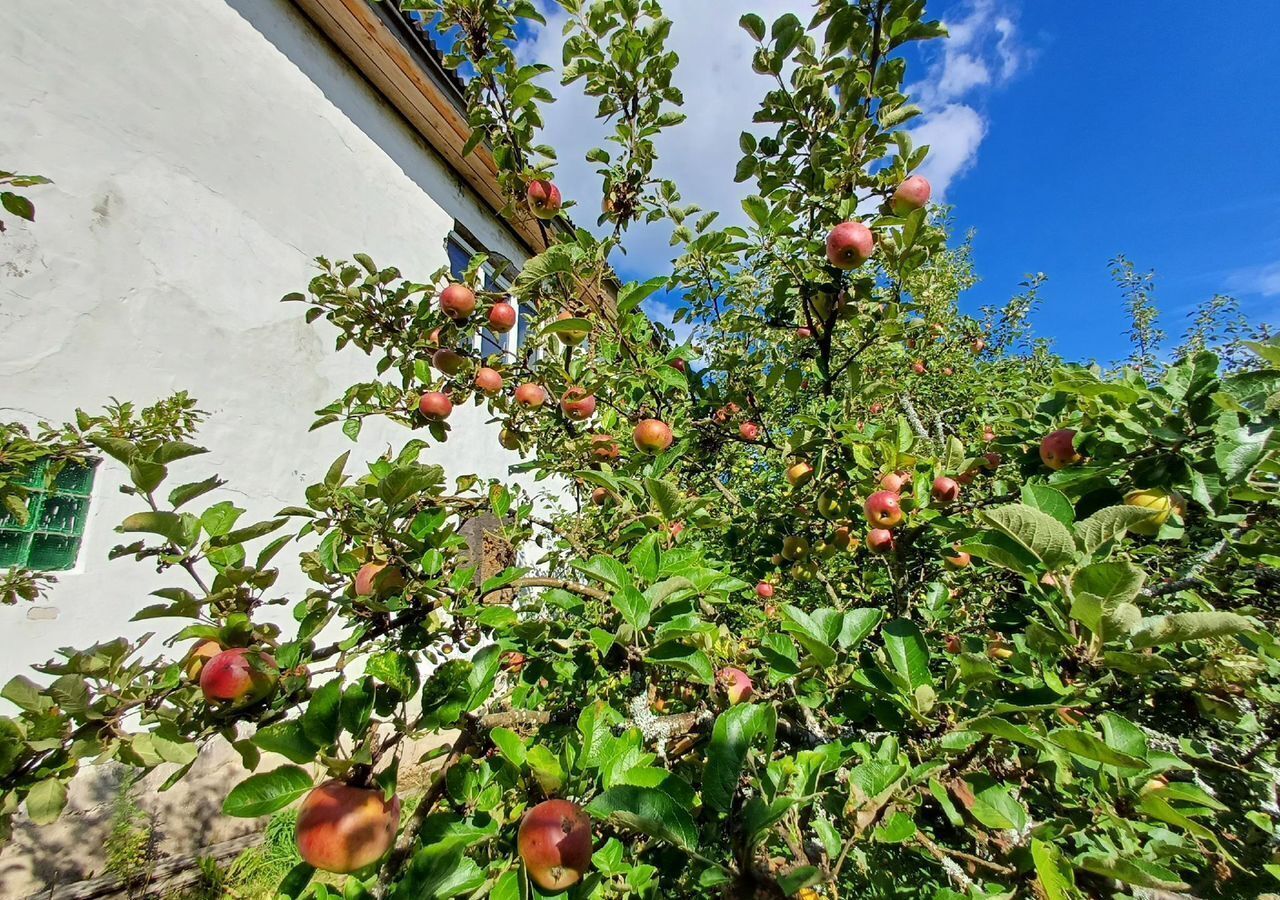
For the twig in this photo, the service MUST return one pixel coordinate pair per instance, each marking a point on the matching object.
(1192, 576)
(572, 586)
(913, 418)
(941, 852)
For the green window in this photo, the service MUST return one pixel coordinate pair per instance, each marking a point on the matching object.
(56, 516)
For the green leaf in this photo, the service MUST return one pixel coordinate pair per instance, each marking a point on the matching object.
(266, 792)
(289, 739)
(649, 811)
(46, 800)
(731, 738)
(395, 669)
(1190, 626)
(509, 744)
(321, 721)
(606, 569)
(1042, 535)
(1090, 746)
(172, 451)
(753, 25)
(165, 524)
(907, 652)
(1107, 525)
(546, 768)
(811, 635)
(634, 606)
(685, 658)
(994, 805)
(1057, 880)
(1239, 448)
(634, 293)
(1050, 501)
(566, 326)
(1103, 595)
(1002, 728)
(665, 496)
(857, 626)
(1131, 871)
(184, 493)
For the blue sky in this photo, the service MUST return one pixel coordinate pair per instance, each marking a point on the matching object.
(1062, 137)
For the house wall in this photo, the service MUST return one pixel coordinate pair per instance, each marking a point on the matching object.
(202, 154)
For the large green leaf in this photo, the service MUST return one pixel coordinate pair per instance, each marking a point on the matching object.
(1053, 872)
(1050, 501)
(1090, 746)
(1103, 595)
(266, 792)
(649, 811)
(731, 738)
(634, 606)
(907, 651)
(1190, 626)
(46, 800)
(1107, 525)
(289, 739)
(994, 804)
(1039, 533)
(685, 658)
(810, 633)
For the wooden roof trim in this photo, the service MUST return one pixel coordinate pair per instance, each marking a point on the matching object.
(364, 38)
(362, 35)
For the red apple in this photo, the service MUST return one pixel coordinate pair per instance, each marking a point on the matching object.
(842, 538)
(652, 436)
(893, 481)
(679, 365)
(604, 447)
(764, 590)
(342, 828)
(530, 395)
(953, 644)
(736, 685)
(367, 575)
(883, 510)
(241, 675)
(912, 194)
(1058, 451)
(200, 654)
(555, 844)
(799, 474)
(435, 405)
(457, 301)
(488, 381)
(849, 245)
(876, 408)
(958, 560)
(544, 199)
(448, 361)
(804, 332)
(945, 490)
(600, 496)
(433, 339)
(675, 529)
(948, 371)
(577, 404)
(991, 460)
(513, 661)
(977, 346)
(988, 435)
(879, 540)
(749, 431)
(502, 318)
(919, 367)
(572, 338)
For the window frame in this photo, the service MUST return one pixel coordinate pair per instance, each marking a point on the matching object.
(58, 518)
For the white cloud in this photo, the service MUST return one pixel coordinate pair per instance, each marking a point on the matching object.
(721, 94)
(1263, 281)
(954, 132)
(983, 51)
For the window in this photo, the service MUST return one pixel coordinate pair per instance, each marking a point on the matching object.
(461, 248)
(56, 515)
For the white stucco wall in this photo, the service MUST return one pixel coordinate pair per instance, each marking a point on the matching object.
(203, 153)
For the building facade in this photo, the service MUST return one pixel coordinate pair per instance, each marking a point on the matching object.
(202, 154)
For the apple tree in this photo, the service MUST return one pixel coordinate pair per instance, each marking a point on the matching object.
(851, 595)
